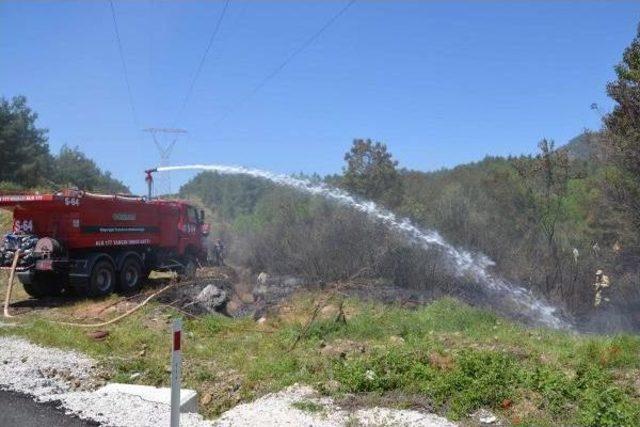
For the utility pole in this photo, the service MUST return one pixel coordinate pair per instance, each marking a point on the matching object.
(164, 139)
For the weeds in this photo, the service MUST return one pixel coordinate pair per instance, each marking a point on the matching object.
(458, 358)
(308, 406)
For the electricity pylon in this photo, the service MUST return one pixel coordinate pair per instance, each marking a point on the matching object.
(165, 148)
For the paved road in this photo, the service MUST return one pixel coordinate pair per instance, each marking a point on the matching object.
(17, 410)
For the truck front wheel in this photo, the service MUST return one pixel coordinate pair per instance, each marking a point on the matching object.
(103, 278)
(130, 275)
(43, 285)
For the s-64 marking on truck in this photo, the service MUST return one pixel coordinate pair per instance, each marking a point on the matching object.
(99, 243)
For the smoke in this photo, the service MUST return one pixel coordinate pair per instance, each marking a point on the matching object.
(464, 264)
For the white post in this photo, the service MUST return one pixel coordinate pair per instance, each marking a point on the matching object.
(176, 360)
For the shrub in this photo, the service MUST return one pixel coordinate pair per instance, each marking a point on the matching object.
(608, 406)
(479, 378)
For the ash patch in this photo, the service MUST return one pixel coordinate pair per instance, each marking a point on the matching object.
(270, 290)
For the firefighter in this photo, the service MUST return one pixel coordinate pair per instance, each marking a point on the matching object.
(602, 282)
(206, 243)
(218, 253)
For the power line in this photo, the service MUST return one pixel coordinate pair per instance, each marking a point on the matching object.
(266, 79)
(124, 65)
(202, 60)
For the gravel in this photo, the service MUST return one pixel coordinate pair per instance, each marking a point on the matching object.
(117, 409)
(39, 371)
(278, 409)
(68, 378)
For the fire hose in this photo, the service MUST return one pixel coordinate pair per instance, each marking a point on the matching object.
(12, 273)
(7, 299)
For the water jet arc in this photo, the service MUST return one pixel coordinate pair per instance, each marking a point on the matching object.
(464, 263)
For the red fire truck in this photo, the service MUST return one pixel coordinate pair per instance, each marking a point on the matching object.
(99, 243)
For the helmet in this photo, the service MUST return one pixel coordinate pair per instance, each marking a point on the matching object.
(599, 273)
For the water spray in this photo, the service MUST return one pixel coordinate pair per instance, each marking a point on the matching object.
(465, 264)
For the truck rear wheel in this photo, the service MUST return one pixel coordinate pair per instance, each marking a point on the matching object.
(102, 279)
(130, 276)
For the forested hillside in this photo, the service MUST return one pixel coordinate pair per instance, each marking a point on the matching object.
(26, 161)
(549, 220)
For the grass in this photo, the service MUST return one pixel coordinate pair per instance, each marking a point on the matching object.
(308, 406)
(458, 358)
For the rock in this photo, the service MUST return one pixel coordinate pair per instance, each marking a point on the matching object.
(396, 340)
(490, 419)
(211, 298)
(262, 320)
(263, 278)
(484, 416)
(370, 375)
(206, 399)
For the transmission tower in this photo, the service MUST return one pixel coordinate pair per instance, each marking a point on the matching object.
(165, 140)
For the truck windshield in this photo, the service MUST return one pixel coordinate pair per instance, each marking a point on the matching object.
(192, 214)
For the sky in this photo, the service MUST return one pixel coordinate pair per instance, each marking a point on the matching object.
(441, 83)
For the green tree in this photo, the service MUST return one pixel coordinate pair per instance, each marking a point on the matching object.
(371, 172)
(24, 151)
(72, 167)
(547, 176)
(623, 125)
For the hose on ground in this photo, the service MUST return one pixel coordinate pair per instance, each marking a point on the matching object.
(122, 316)
(12, 273)
(7, 299)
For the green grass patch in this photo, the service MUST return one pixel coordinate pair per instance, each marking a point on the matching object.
(308, 406)
(458, 358)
